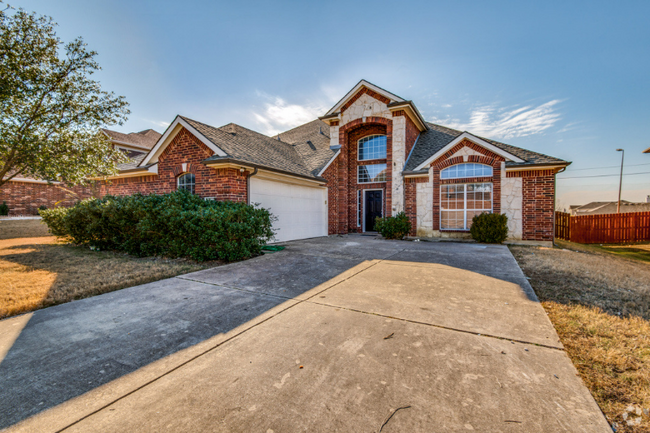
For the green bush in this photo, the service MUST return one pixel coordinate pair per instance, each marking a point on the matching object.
(393, 227)
(490, 228)
(178, 224)
(42, 207)
(4, 209)
(54, 220)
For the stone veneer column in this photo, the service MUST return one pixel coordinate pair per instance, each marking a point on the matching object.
(399, 158)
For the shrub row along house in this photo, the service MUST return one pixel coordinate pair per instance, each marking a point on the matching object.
(370, 155)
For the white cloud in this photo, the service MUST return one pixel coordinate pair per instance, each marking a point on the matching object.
(493, 122)
(279, 116)
(159, 123)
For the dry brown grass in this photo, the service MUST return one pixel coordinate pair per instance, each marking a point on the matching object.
(38, 271)
(599, 305)
(11, 229)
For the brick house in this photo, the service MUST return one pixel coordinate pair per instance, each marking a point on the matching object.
(371, 155)
(24, 195)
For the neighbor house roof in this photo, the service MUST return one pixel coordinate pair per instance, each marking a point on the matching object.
(608, 207)
(437, 137)
(144, 139)
(134, 162)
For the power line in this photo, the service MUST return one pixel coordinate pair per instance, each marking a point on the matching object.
(611, 166)
(604, 175)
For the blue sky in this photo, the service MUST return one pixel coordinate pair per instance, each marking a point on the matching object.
(570, 79)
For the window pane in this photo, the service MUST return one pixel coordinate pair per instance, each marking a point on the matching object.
(371, 173)
(460, 202)
(372, 147)
(186, 182)
(452, 220)
(466, 170)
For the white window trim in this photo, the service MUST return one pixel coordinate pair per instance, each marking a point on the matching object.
(377, 181)
(464, 204)
(373, 159)
(363, 207)
(467, 177)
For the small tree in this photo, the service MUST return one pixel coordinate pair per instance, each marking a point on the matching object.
(50, 109)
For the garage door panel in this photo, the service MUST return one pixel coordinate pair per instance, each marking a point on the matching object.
(301, 211)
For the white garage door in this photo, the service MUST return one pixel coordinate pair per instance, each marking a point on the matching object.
(301, 211)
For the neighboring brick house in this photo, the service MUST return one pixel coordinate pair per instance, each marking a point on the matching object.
(371, 155)
(24, 195)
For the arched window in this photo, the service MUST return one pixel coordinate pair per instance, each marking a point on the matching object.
(466, 170)
(372, 147)
(186, 182)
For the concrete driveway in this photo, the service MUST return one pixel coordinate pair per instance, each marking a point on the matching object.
(346, 333)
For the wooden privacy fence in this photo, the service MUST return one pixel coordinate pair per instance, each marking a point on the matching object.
(603, 229)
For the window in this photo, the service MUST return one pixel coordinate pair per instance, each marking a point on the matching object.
(466, 170)
(459, 204)
(186, 182)
(371, 173)
(372, 147)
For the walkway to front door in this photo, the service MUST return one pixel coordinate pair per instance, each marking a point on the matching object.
(373, 208)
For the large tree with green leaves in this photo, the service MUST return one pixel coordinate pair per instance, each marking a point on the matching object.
(50, 108)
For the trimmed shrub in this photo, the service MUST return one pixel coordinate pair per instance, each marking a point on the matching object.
(489, 228)
(393, 227)
(54, 220)
(178, 224)
(4, 209)
(42, 207)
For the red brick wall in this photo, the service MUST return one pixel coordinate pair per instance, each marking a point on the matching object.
(487, 157)
(24, 198)
(331, 175)
(412, 132)
(347, 186)
(185, 148)
(538, 203)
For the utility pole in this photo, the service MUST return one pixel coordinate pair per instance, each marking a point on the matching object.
(620, 181)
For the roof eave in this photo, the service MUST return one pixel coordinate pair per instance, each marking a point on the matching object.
(247, 164)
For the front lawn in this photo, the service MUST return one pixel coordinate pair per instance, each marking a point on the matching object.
(599, 304)
(37, 271)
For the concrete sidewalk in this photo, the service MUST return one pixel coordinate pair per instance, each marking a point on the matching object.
(332, 334)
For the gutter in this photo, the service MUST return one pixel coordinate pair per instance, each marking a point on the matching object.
(555, 201)
(248, 185)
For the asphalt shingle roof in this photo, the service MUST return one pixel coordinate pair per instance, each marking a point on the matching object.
(312, 142)
(133, 163)
(438, 136)
(146, 138)
(249, 146)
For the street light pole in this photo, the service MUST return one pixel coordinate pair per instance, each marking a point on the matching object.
(620, 181)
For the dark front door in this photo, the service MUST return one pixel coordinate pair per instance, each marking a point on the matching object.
(373, 209)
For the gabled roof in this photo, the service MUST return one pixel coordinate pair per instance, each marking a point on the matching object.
(242, 144)
(360, 85)
(144, 139)
(437, 137)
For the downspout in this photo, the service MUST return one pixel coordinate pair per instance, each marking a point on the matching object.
(248, 185)
(555, 200)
